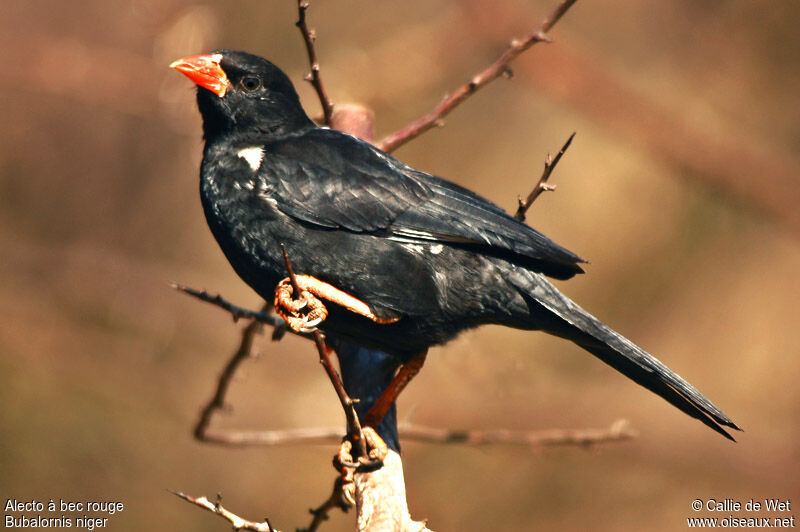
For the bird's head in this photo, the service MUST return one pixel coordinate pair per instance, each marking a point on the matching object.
(244, 95)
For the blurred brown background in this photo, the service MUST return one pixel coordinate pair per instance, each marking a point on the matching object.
(681, 188)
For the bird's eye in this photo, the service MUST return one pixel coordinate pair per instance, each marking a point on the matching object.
(251, 83)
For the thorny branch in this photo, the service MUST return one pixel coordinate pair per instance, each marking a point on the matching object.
(309, 36)
(262, 316)
(279, 326)
(217, 508)
(353, 424)
(258, 318)
(498, 68)
(542, 185)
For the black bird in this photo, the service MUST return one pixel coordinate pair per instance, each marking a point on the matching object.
(423, 257)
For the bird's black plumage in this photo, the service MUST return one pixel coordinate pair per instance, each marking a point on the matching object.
(411, 245)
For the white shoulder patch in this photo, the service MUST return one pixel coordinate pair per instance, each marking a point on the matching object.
(253, 156)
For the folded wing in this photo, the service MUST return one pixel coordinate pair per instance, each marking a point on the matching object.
(336, 181)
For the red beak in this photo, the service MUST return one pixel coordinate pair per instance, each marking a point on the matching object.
(205, 71)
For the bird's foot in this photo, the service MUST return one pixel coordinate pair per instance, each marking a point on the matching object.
(303, 314)
(344, 463)
(314, 290)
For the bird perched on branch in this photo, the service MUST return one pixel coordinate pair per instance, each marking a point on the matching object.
(404, 260)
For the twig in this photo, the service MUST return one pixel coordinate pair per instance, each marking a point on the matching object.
(498, 68)
(309, 36)
(265, 438)
(353, 424)
(542, 185)
(246, 438)
(217, 402)
(618, 431)
(320, 514)
(236, 311)
(280, 326)
(217, 508)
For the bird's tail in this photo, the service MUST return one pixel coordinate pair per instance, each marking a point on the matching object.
(549, 310)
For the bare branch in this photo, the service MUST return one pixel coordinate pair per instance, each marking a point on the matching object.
(353, 423)
(309, 36)
(498, 68)
(237, 312)
(279, 326)
(217, 402)
(265, 438)
(618, 431)
(217, 508)
(542, 185)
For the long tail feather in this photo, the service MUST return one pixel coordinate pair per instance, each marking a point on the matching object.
(554, 313)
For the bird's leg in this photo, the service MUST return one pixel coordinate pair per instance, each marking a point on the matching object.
(294, 312)
(404, 375)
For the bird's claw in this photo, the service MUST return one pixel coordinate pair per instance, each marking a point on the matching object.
(303, 314)
(311, 325)
(376, 447)
(344, 463)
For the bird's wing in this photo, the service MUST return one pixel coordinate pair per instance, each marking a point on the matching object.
(336, 181)
(456, 215)
(332, 180)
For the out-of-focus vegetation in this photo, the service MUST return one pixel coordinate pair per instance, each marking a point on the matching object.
(675, 189)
